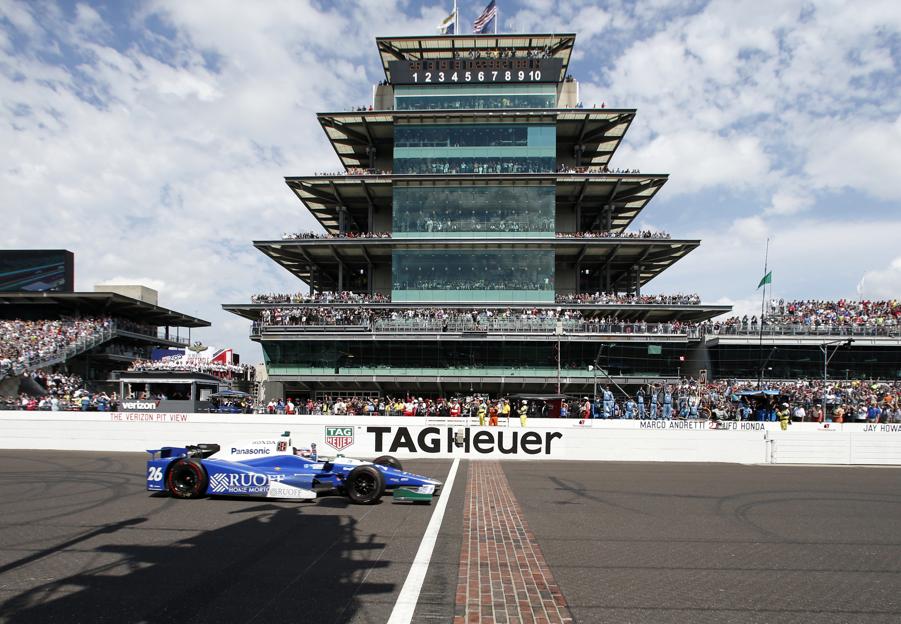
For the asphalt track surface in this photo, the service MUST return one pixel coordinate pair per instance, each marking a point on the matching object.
(82, 541)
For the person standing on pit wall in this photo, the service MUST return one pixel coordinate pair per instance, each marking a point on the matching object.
(505, 410)
(667, 403)
(492, 416)
(629, 409)
(482, 412)
(597, 408)
(784, 415)
(838, 414)
(585, 409)
(608, 403)
(744, 411)
(523, 413)
(653, 413)
(639, 399)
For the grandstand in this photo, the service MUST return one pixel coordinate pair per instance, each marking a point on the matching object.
(89, 334)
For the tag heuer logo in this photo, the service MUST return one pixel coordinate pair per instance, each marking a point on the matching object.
(339, 438)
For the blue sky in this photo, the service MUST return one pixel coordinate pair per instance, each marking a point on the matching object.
(151, 138)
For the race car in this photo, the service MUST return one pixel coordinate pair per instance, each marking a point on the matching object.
(275, 469)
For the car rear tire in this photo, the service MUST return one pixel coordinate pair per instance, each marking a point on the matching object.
(365, 485)
(388, 460)
(186, 479)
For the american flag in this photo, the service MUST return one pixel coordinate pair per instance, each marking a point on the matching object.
(482, 21)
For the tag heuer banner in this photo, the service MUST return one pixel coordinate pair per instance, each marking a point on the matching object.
(339, 438)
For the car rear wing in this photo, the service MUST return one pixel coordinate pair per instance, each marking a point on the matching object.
(192, 450)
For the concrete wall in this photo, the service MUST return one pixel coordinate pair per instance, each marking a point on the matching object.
(692, 441)
(381, 278)
(565, 220)
(383, 97)
(135, 291)
(564, 278)
(381, 220)
(568, 94)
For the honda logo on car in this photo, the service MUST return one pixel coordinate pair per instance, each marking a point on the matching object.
(339, 438)
(429, 440)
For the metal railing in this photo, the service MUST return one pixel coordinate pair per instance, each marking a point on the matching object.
(71, 350)
(771, 330)
(537, 326)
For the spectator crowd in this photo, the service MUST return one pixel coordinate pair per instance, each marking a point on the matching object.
(193, 364)
(614, 234)
(59, 391)
(459, 319)
(798, 401)
(329, 236)
(602, 298)
(597, 298)
(23, 342)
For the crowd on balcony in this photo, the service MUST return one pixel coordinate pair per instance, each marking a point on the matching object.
(842, 316)
(329, 236)
(615, 234)
(23, 342)
(474, 225)
(841, 312)
(193, 364)
(321, 297)
(456, 319)
(352, 171)
(602, 298)
(602, 169)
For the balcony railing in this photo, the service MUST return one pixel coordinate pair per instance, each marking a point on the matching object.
(800, 330)
(434, 326)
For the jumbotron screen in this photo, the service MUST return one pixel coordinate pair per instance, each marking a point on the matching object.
(37, 270)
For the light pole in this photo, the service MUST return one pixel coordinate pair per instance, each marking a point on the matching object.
(828, 358)
(594, 367)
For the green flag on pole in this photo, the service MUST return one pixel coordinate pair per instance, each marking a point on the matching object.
(767, 279)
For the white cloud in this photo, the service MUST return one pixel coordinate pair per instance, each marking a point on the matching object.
(883, 283)
(858, 154)
(697, 160)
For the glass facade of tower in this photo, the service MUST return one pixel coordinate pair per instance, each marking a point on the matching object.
(473, 211)
(474, 148)
(474, 97)
(476, 274)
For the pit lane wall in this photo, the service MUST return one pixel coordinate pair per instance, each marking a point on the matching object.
(361, 436)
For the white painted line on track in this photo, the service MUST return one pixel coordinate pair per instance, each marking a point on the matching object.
(409, 593)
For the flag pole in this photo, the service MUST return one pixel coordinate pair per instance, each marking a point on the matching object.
(766, 256)
(497, 16)
(456, 20)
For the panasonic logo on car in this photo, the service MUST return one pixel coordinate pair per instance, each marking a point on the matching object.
(250, 451)
(139, 405)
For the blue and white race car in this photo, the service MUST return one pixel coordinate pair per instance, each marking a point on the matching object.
(275, 469)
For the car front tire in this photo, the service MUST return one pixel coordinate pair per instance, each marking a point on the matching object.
(365, 485)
